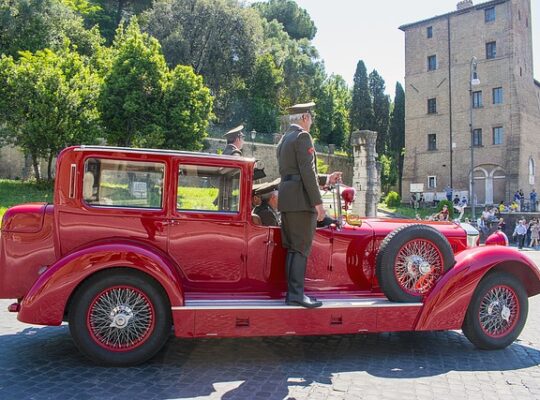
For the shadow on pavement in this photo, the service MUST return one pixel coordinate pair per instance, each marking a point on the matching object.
(44, 363)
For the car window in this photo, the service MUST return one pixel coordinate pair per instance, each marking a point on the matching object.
(206, 188)
(121, 183)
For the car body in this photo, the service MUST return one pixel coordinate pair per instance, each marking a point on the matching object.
(171, 235)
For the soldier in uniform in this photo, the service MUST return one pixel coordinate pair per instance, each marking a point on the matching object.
(267, 210)
(235, 141)
(300, 201)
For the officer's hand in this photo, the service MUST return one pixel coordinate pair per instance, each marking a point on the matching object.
(321, 213)
(334, 177)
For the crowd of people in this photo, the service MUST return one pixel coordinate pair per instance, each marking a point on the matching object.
(527, 234)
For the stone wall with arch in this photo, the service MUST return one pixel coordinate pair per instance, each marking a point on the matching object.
(489, 184)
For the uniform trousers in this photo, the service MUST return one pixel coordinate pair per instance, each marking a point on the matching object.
(297, 230)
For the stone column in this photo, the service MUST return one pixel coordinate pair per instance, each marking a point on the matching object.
(365, 176)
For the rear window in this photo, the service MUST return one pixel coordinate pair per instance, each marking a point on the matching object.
(121, 183)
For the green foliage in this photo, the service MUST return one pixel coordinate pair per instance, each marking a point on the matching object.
(296, 21)
(388, 172)
(47, 102)
(450, 208)
(32, 25)
(361, 114)
(397, 130)
(322, 167)
(332, 120)
(381, 110)
(392, 199)
(264, 92)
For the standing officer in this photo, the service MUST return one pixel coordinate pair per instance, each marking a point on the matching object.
(235, 141)
(300, 200)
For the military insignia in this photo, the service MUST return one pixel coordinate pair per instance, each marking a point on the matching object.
(311, 150)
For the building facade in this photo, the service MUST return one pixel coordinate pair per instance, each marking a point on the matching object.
(474, 63)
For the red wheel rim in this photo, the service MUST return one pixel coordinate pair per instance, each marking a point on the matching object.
(418, 266)
(120, 318)
(499, 311)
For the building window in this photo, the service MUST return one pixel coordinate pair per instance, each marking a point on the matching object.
(489, 14)
(432, 106)
(498, 95)
(498, 133)
(432, 63)
(432, 141)
(532, 168)
(477, 137)
(429, 32)
(477, 99)
(432, 182)
(491, 50)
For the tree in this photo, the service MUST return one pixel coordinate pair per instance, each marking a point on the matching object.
(397, 131)
(47, 102)
(188, 107)
(388, 172)
(296, 21)
(218, 38)
(130, 99)
(264, 92)
(32, 25)
(381, 110)
(361, 113)
(332, 120)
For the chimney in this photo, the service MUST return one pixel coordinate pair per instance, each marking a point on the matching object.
(464, 4)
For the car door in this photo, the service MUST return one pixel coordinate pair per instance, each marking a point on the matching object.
(207, 231)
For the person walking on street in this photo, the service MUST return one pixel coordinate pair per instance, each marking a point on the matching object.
(520, 232)
(300, 201)
(535, 233)
(235, 141)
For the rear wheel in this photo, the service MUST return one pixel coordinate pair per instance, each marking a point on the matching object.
(120, 318)
(497, 312)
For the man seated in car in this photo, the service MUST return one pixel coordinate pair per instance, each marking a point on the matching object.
(267, 210)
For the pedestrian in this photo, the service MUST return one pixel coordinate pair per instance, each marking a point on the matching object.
(535, 233)
(521, 199)
(448, 190)
(300, 201)
(517, 200)
(520, 232)
(435, 199)
(532, 199)
(456, 200)
(421, 201)
(235, 141)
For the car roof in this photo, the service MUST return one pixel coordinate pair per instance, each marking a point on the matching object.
(194, 154)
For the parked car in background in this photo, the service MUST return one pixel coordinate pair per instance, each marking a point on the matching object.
(139, 241)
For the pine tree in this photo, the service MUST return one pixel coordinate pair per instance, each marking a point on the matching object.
(397, 130)
(381, 111)
(361, 113)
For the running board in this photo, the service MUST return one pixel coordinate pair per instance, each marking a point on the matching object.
(280, 304)
(244, 318)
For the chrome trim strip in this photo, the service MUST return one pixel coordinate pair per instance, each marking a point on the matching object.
(280, 304)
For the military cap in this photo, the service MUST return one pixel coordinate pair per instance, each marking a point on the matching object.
(265, 188)
(301, 108)
(234, 132)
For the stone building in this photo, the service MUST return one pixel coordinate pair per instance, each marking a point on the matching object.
(504, 100)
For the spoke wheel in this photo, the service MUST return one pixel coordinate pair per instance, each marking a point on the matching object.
(120, 318)
(418, 266)
(497, 311)
(411, 260)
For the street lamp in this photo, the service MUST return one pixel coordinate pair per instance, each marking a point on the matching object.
(473, 81)
(253, 134)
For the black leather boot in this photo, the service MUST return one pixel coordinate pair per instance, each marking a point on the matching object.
(297, 272)
(287, 271)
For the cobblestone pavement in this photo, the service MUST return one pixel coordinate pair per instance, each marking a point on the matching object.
(43, 363)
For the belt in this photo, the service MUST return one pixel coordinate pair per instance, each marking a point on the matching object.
(294, 178)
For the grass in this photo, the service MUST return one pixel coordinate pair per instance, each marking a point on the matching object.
(18, 192)
(406, 211)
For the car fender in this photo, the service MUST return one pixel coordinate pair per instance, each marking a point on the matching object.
(445, 307)
(46, 301)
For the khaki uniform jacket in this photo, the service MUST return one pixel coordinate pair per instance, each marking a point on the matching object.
(296, 156)
(232, 150)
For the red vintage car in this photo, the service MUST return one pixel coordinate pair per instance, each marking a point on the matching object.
(138, 241)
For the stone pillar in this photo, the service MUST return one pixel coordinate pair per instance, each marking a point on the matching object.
(365, 175)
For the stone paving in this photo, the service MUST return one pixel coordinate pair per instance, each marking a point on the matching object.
(43, 363)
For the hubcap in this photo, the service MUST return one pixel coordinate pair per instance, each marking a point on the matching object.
(418, 266)
(499, 311)
(120, 318)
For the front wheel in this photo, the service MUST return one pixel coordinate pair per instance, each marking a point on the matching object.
(497, 312)
(120, 318)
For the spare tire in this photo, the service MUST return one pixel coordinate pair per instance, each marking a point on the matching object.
(411, 260)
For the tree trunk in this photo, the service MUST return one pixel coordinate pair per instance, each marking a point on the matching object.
(49, 166)
(119, 11)
(35, 164)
